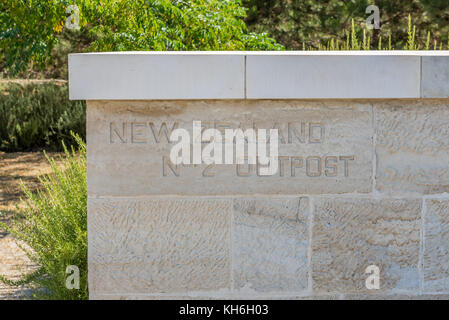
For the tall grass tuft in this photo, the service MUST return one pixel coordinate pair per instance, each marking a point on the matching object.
(357, 39)
(53, 228)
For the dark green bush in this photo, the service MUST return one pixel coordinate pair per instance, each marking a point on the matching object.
(53, 225)
(316, 22)
(39, 115)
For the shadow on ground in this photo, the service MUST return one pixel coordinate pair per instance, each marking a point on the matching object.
(14, 168)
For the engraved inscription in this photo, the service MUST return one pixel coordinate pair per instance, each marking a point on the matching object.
(324, 147)
(289, 165)
(141, 132)
(153, 132)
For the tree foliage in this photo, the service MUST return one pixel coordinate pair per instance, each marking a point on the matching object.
(316, 22)
(30, 29)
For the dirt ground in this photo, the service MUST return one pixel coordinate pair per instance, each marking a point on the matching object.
(14, 167)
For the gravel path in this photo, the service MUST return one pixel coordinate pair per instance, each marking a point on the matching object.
(25, 166)
(14, 263)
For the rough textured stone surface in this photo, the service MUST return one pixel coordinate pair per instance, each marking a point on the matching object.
(436, 246)
(158, 246)
(351, 234)
(270, 241)
(331, 151)
(195, 297)
(164, 232)
(396, 297)
(143, 297)
(306, 297)
(412, 146)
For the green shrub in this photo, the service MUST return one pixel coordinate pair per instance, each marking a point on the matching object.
(53, 224)
(40, 115)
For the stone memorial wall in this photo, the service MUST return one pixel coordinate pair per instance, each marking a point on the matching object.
(362, 176)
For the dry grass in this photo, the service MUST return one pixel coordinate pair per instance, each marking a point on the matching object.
(4, 82)
(16, 167)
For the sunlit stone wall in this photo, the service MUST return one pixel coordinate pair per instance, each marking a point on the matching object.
(362, 179)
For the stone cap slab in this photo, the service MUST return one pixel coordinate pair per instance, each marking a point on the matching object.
(181, 75)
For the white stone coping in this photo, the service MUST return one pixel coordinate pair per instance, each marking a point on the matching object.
(177, 75)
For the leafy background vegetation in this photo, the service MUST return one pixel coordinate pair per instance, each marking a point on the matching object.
(31, 30)
(316, 22)
(34, 43)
